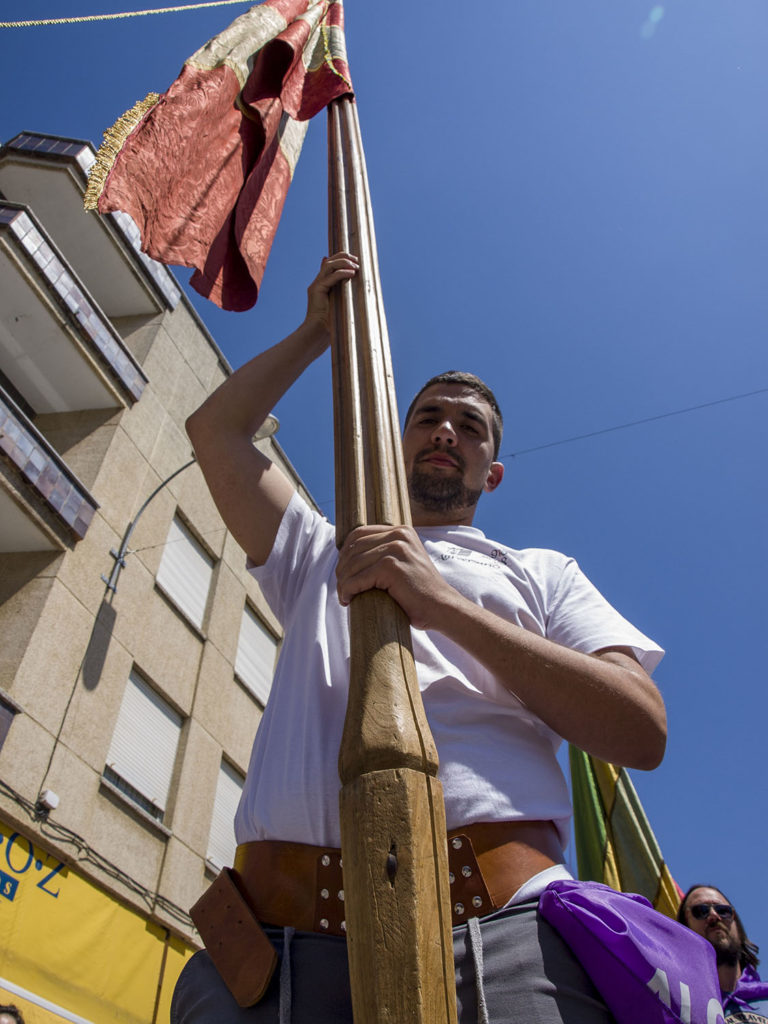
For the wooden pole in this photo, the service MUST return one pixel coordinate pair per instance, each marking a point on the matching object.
(393, 832)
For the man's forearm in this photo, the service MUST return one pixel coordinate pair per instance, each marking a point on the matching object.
(250, 492)
(244, 400)
(604, 703)
(242, 403)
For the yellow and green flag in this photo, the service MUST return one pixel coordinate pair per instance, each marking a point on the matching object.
(615, 843)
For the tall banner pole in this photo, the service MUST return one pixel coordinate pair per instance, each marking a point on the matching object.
(393, 831)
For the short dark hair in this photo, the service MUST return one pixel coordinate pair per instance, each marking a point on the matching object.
(469, 380)
(13, 1011)
(748, 952)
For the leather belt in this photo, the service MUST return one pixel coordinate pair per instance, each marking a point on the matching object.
(302, 886)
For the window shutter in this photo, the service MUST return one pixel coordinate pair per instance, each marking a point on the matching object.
(185, 572)
(221, 841)
(145, 741)
(256, 651)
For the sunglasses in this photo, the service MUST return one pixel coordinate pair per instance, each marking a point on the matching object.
(701, 910)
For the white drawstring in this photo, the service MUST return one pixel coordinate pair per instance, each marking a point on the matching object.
(476, 945)
(285, 977)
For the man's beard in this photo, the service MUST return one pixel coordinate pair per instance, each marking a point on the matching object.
(727, 946)
(728, 954)
(437, 492)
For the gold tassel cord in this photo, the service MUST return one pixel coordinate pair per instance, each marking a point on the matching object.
(122, 14)
(327, 55)
(114, 139)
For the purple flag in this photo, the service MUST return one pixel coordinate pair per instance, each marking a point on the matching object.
(749, 997)
(648, 968)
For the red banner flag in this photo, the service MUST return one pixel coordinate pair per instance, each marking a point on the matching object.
(204, 169)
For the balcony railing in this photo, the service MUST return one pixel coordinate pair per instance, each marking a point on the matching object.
(39, 252)
(81, 155)
(43, 470)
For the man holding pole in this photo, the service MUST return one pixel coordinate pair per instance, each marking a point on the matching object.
(514, 650)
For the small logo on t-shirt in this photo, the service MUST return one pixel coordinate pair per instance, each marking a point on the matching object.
(494, 561)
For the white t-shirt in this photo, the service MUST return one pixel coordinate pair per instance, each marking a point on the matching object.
(497, 759)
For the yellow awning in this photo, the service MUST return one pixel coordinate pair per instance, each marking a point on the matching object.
(73, 951)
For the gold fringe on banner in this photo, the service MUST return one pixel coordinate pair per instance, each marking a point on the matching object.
(114, 140)
(327, 55)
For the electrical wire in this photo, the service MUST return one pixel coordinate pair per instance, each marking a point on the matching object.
(86, 853)
(114, 17)
(633, 423)
(608, 430)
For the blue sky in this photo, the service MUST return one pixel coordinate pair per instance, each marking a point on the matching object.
(571, 199)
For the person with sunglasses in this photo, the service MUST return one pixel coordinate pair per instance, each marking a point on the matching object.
(707, 911)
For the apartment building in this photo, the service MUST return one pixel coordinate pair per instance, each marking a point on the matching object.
(136, 653)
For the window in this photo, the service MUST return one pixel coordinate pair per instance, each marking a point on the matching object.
(256, 651)
(221, 841)
(143, 748)
(8, 711)
(185, 572)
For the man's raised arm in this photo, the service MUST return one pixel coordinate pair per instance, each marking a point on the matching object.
(250, 492)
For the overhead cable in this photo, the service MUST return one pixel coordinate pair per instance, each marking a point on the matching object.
(634, 423)
(114, 17)
(60, 834)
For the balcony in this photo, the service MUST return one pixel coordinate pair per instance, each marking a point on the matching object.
(43, 506)
(49, 174)
(57, 349)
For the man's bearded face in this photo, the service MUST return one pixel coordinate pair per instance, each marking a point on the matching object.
(448, 450)
(439, 492)
(722, 935)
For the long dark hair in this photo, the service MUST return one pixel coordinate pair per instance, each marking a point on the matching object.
(748, 953)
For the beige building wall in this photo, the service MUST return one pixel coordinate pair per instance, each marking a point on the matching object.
(70, 642)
